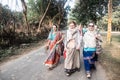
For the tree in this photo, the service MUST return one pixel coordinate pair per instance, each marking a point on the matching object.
(44, 13)
(115, 20)
(109, 21)
(41, 20)
(25, 14)
(86, 10)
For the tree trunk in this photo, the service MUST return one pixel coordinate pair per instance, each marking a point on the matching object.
(59, 21)
(61, 12)
(41, 20)
(109, 21)
(25, 14)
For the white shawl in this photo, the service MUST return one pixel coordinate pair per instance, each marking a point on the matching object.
(89, 39)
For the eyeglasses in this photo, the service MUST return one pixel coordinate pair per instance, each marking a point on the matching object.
(91, 25)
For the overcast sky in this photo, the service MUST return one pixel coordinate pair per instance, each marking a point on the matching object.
(15, 5)
(70, 2)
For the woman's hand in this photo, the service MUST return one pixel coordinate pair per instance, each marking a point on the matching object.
(57, 42)
(97, 36)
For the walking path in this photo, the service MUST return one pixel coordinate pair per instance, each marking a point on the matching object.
(30, 67)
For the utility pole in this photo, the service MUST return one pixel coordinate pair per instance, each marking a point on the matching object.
(109, 21)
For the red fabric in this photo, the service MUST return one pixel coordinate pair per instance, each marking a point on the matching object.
(54, 54)
(53, 60)
(57, 38)
(64, 54)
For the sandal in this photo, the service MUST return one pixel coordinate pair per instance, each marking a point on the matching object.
(50, 68)
(68, 74)
(88, 75)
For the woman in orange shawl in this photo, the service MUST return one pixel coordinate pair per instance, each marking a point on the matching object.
(54, 42)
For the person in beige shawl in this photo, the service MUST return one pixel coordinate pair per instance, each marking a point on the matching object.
(72, 47)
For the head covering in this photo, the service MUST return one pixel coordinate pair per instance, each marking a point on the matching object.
(54, 26)
(91, 24)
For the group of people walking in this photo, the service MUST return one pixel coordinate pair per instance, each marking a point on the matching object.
(74, 39)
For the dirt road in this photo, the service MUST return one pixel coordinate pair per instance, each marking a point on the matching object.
(30, 67)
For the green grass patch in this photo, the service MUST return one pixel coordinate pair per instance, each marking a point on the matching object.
(116, 38)
(110, 58)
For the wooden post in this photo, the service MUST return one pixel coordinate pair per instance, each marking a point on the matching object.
(109, 21)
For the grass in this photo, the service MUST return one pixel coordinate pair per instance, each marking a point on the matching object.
(116, 38)
(16, 51)
(110, 58)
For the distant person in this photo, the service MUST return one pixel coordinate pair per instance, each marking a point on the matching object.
(72, 47)
(55, 39)
(89, 50)
(84, 29)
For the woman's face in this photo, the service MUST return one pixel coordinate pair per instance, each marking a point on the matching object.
(54, 28)
(91, 27)
(72, 25)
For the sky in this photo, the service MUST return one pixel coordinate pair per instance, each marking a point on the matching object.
(70, 2)
(15, 5)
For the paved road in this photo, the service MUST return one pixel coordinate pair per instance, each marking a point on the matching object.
(30, 67)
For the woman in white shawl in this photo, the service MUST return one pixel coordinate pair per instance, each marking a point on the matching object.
(89, 51)
(72, 47)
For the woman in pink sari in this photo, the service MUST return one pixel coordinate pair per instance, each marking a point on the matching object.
(54, 42)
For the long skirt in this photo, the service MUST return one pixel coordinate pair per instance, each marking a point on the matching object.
(72, 60)
(89, 60)
(53, 57)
